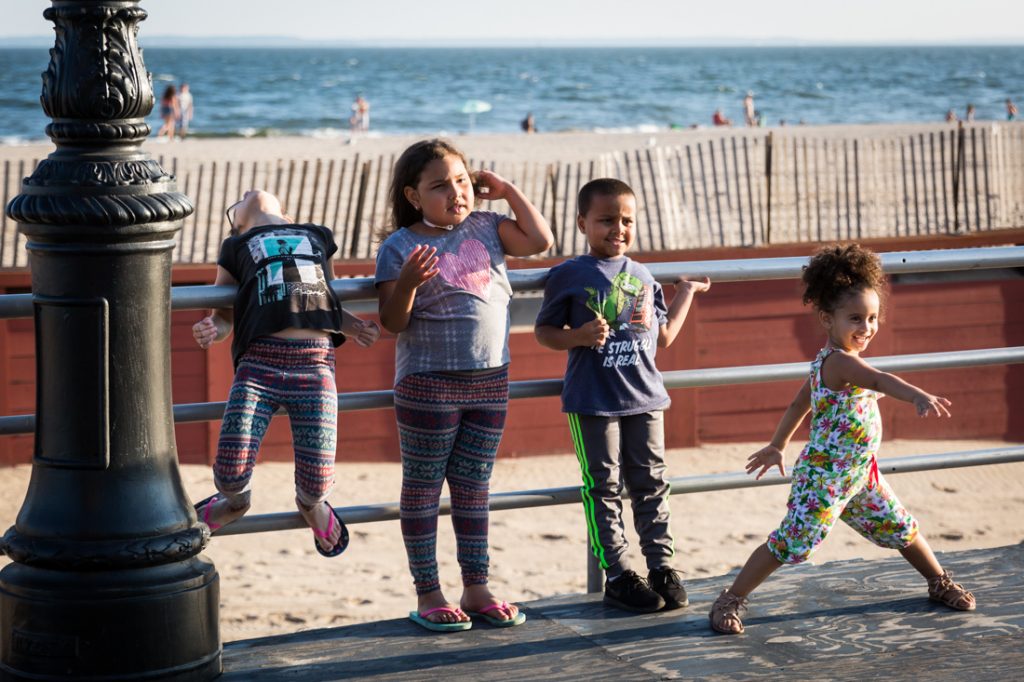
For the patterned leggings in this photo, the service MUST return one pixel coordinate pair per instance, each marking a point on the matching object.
(449, 427)
(299, 375)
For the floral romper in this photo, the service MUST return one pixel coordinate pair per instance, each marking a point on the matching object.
(836, 476)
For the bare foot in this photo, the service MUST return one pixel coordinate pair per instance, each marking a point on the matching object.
(478, 597)
(434, 600)
(320, 518)
(219, 512)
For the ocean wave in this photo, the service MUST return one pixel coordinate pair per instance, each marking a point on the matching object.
(19, 141)
(641, 128)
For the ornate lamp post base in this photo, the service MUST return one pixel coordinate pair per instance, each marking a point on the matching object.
(111, 625)
(107, 582)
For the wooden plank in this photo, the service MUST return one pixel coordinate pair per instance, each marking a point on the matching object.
(768, 187)
(796, 190)
(327, 198)
(209, 212)
(659, 190)
(566, 224)
(696, 201)
(714, 181)
(750, 191)
(739, 191)
(314, 195)
(647, 242)
(350, 223)
(974, 172)
(988, 193)
(372, 203)
(195, 216)
(222, 215)
(856, 186)
(3, 213)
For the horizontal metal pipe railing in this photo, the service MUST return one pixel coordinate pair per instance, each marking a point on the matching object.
(524, 499)
(733, 270)
(684, 378)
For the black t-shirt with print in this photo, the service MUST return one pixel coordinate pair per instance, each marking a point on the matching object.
(280, 271)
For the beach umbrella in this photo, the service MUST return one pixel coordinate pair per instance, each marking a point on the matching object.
(472, 107)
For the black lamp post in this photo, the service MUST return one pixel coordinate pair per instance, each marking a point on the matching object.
(107, 582)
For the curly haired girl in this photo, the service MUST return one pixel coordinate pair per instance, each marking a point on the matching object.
(836, 476)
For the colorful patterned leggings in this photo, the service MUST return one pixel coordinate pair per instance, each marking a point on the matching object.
(826, 490)
(297, 374)
(449, 427)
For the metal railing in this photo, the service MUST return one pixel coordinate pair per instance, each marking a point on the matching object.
(195, 297)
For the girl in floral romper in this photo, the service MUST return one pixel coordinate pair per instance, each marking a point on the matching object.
(836, 476)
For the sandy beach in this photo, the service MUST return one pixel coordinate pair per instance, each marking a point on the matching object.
(275, 583)
(569, 146)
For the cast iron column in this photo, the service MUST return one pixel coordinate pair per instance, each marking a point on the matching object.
(107, 582)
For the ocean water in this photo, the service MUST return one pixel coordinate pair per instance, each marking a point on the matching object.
(247, 92)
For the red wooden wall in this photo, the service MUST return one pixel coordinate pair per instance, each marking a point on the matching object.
(744, 323)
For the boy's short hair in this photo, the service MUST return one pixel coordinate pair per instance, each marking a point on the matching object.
(609, 187)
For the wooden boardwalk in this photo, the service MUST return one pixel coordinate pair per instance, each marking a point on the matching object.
(840, 621)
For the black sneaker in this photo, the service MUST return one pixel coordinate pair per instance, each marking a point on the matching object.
(668, 583)
(631, 592)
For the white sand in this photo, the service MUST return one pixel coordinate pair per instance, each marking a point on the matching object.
(503, 147)
(274, 583)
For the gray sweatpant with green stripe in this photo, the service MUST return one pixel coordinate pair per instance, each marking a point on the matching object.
(630, 450)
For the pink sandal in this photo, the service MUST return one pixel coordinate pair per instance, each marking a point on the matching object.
(203, 512)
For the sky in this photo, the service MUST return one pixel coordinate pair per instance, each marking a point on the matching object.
(590, 22)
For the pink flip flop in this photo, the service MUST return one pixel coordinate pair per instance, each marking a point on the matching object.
(484, 613)
(342, 542)
(203, 512)
(422, 620)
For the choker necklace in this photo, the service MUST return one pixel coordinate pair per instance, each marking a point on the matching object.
(447, 228)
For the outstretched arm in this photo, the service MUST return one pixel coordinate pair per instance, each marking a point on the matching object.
(529, 233)
(217, 325)
(849, 369)
(771, 455)
(685, 289)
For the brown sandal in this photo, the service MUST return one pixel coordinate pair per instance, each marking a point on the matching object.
(726, 611)
(942, 589)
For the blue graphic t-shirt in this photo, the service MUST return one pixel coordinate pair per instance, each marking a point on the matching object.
(282, 273)
(619, 378)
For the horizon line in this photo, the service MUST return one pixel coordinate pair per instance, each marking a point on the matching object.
(279, 41)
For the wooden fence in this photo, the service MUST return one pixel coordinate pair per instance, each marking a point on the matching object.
(743, 188)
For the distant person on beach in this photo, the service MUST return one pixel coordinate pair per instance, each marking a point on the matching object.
(951, 116)
(836, 476)
(527, 124)
(169, 112)
(1011, 110)
(969, 116)
(287, 322)
(443, 288)
(610, 314)
(749, 112)
(359, 121)
(719, 119)
(186, 109)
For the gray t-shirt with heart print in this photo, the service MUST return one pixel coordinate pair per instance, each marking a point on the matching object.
(460, 318)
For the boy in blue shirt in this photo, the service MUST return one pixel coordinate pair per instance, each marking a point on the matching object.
(610, 314)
